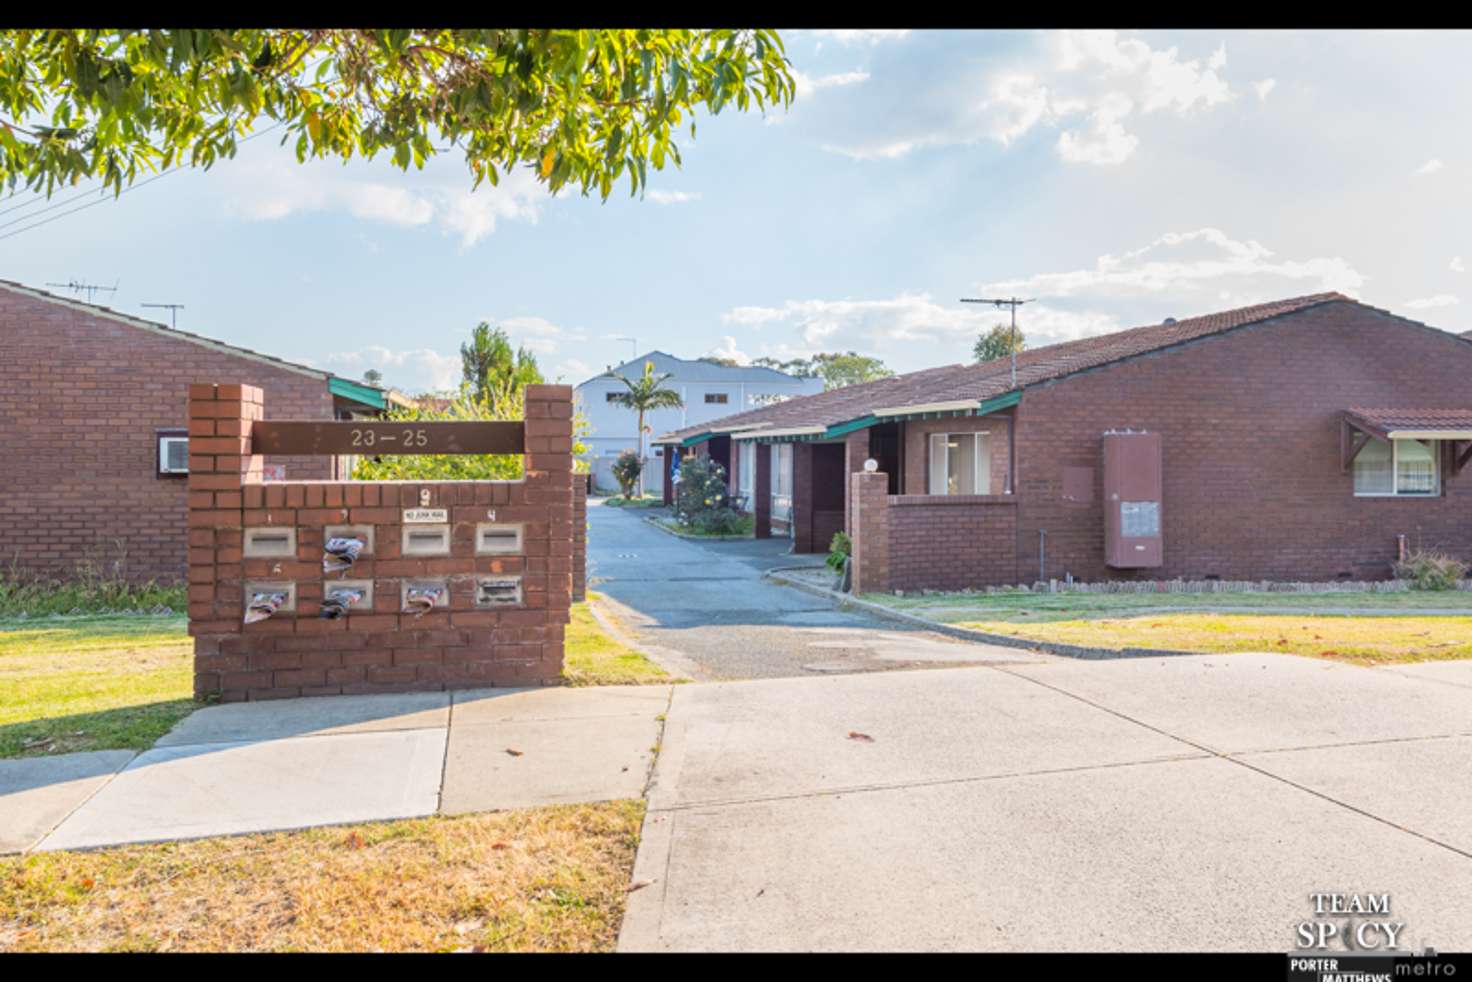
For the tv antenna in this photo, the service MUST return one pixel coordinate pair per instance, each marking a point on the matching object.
(999, 303)
(91, 288)
(173, 309)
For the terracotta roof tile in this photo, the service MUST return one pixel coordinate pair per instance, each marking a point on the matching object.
(993, 378)
(1415, 419)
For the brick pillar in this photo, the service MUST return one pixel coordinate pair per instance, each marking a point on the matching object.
(579, 538)
(761, 492)
(855, 452)
(869, 492)
(802, 498)
(549, 483)
(220, 466)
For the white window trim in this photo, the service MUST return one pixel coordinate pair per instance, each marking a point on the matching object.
(1394, 492)
(163, 455)
(982, 477)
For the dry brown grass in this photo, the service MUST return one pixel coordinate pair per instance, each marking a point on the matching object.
(546, 879)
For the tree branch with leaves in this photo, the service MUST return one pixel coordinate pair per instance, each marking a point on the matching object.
(583, 108)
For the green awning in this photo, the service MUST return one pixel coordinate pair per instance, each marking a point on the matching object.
(365, 395)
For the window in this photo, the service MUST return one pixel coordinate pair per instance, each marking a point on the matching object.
(1398, 467)
(782, 481)
(960, 463)
(746, 469)
(611, 396)
(173, 452)
(715, 398)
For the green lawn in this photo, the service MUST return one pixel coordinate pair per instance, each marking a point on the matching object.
(1358, 640)
(92, 683)
(121, 681)
(745, 525)
(1026, 607)
(648, 501)
(591, 657)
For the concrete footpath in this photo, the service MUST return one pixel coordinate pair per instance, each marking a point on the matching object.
(256, 767)
(1164, 804)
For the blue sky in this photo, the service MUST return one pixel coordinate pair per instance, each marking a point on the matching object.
(1119, 178)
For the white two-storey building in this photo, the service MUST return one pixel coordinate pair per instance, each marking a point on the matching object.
(709, 390)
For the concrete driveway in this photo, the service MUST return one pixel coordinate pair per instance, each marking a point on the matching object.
(704, 609)
(1188, 803)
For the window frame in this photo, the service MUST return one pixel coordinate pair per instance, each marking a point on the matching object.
(981, 463)
(717, 398)
(1395, 492)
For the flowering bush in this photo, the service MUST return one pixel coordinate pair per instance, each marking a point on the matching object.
(626, 470)
(703, 502)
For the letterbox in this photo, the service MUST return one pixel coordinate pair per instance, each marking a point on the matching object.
(1133, 534)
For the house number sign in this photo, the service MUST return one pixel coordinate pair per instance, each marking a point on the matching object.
(369, 437)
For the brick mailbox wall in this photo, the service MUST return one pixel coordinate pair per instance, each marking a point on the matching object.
(245, 535)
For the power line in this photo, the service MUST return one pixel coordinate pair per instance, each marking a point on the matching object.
(99, 201)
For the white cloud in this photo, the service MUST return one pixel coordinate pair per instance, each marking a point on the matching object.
(673, 197)
(1178, 274)
(727, 349)
(411, 370)
(1430, 167)
(881, 327)
(1090, 85)
(1456, 265)
(868, 37)
(269, 187)
(1430, 303)
(1205, 259)
(1264, 88)
(807, 83)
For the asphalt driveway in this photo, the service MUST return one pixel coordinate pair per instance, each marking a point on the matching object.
(704, 608)
(1187, 803)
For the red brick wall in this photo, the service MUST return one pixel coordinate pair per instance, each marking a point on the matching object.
(81, 398)
(1250, 426)
(869, 503)
(951, 542)
(299, 654)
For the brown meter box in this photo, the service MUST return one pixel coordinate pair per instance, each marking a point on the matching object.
(1132, 500)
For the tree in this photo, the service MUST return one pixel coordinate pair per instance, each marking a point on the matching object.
(998, 343)
(645, 394)
(490, 367)
(466, 405)
(373, 377)
(581, 107)
(836, 369)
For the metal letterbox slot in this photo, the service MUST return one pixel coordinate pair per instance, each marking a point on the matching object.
(426, 540)
(254, 587)
(364, 532)
(345, 590)
(270, 542)
(500, 591)
(410, 588)
(494, 539)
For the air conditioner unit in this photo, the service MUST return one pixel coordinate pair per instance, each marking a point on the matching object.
(173, 453)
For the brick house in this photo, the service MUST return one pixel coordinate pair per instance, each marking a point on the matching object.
(93, 431)
(1308, 438)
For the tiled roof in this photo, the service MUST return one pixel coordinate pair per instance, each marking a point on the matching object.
(1414, 419)
(994, 378)
(102, 311)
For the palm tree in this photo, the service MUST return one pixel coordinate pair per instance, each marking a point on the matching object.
(645, 395)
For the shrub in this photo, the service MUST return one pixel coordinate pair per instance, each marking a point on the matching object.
(1428, 570)
(839, 550)
(626, 471)
(97, 584)
(703, 502)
